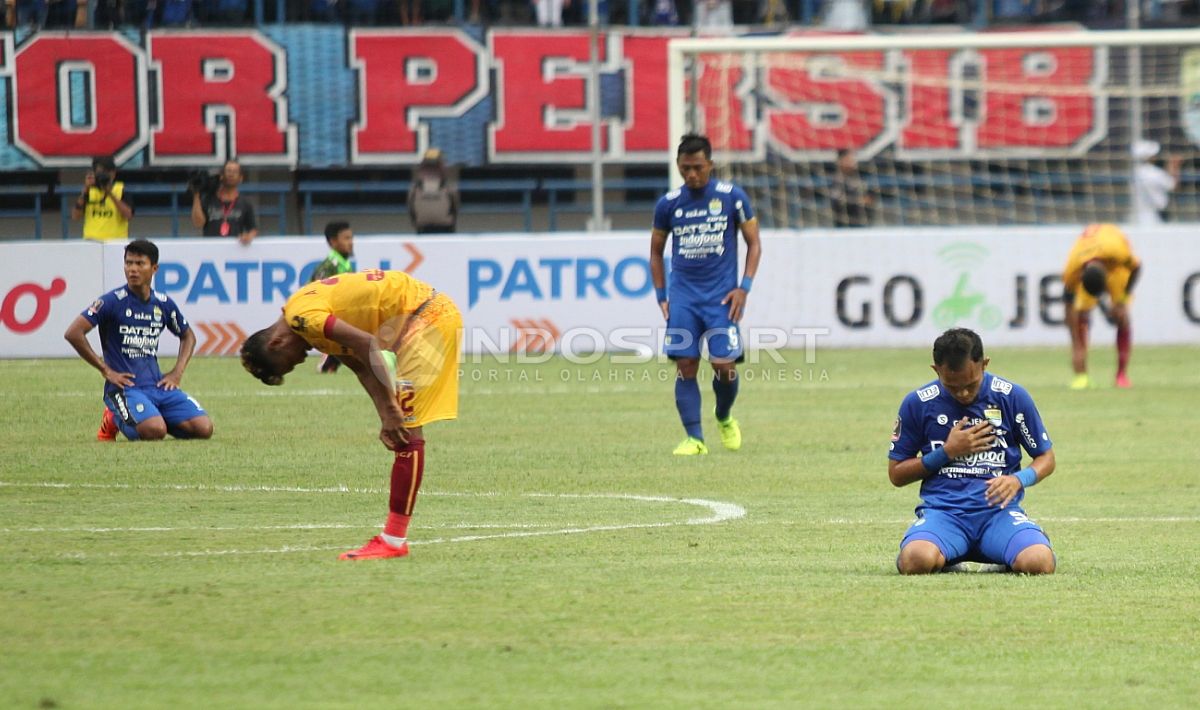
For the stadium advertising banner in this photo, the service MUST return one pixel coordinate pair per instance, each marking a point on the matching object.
(326, 96)
(42, 288)
(581, 293)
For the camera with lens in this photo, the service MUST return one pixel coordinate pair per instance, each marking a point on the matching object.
(203, 183)
(103, 179)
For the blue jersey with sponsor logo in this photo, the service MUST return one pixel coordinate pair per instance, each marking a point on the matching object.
(703, 225)
(129, 330)
(924, 422)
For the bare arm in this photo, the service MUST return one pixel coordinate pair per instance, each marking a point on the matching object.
(76, 335)
(366, 361)
(753, 246)
(658, 270)
(961, 441)
(737, 297)
(80, 203)
(1002, 489)
(122, 207)
(187, 345)
(198, 218)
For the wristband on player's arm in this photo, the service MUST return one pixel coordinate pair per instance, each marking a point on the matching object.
(934, 460)
(660, 294)
(747, 282)
(1027, 476)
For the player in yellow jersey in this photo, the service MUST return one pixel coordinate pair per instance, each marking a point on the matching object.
(1101, 261)
(401, 338)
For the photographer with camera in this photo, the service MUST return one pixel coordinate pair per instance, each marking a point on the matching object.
(217, 207)
(104, 205)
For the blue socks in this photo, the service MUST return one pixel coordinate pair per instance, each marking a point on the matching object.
(726, 393)
(687, 401)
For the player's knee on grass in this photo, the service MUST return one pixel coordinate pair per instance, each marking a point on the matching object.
(1035, 559)
(198, 428)
(920, 557)
(152, 429)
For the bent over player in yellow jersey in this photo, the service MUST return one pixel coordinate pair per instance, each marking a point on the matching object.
(1101, 261)
(401, 338)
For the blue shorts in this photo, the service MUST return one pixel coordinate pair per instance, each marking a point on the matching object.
(136, 404)
(994, 536)
(689, 324)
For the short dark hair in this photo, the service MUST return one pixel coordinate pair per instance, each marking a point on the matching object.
(955, 346)
(104, 161)
(843, 152)
(694, 143)
(1095, 278)
(143, 247)
(335, 228)
(258, 360)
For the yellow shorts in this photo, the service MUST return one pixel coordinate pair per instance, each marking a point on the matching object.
(1118, 290)
(427, 363)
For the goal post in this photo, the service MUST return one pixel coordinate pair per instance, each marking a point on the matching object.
(992, 128)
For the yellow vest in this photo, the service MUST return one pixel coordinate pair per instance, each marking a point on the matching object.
(102, 220)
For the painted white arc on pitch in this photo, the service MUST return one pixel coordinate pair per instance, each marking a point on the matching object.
(719, 511)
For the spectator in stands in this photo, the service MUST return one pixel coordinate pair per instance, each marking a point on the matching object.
(62, 14)
(226, 12)
(107, 14)
(410, 11)
(170, 13)
(103, 205)
(849, 198)
(714, 14)
(846, 16)
(1152, 185)
(549, 13)
(323, 10)
(432, 199)
(662, 13)
(30, 14)
(223, 211)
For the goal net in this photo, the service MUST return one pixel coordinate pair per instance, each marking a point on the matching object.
(1032, 127)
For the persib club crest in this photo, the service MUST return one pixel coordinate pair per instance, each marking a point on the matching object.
(714, 207)
(992, 414)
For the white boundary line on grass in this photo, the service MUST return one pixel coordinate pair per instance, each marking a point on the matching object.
(719, 512)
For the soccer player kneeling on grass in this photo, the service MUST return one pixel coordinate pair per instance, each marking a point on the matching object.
(139, 400)
(401, 338)
(969, 427)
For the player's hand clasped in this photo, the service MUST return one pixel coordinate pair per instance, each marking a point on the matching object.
(963, 441)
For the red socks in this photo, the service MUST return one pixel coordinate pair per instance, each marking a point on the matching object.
(1124, 347)
(406, 481)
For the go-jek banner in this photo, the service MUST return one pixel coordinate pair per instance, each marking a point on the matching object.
(325, 96)
(580, 294)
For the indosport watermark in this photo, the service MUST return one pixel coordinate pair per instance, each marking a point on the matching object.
(589, 355)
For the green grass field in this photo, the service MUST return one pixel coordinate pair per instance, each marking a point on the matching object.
(563, 558)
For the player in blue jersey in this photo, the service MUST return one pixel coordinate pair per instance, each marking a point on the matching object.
(969, 427)
(140, 401)
(705, 300)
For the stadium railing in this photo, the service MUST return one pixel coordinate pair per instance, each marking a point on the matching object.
(655, 187)
(35, 194)
(180, 204)
(333, 196)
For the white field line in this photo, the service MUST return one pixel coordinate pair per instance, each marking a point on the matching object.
(718, 512)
